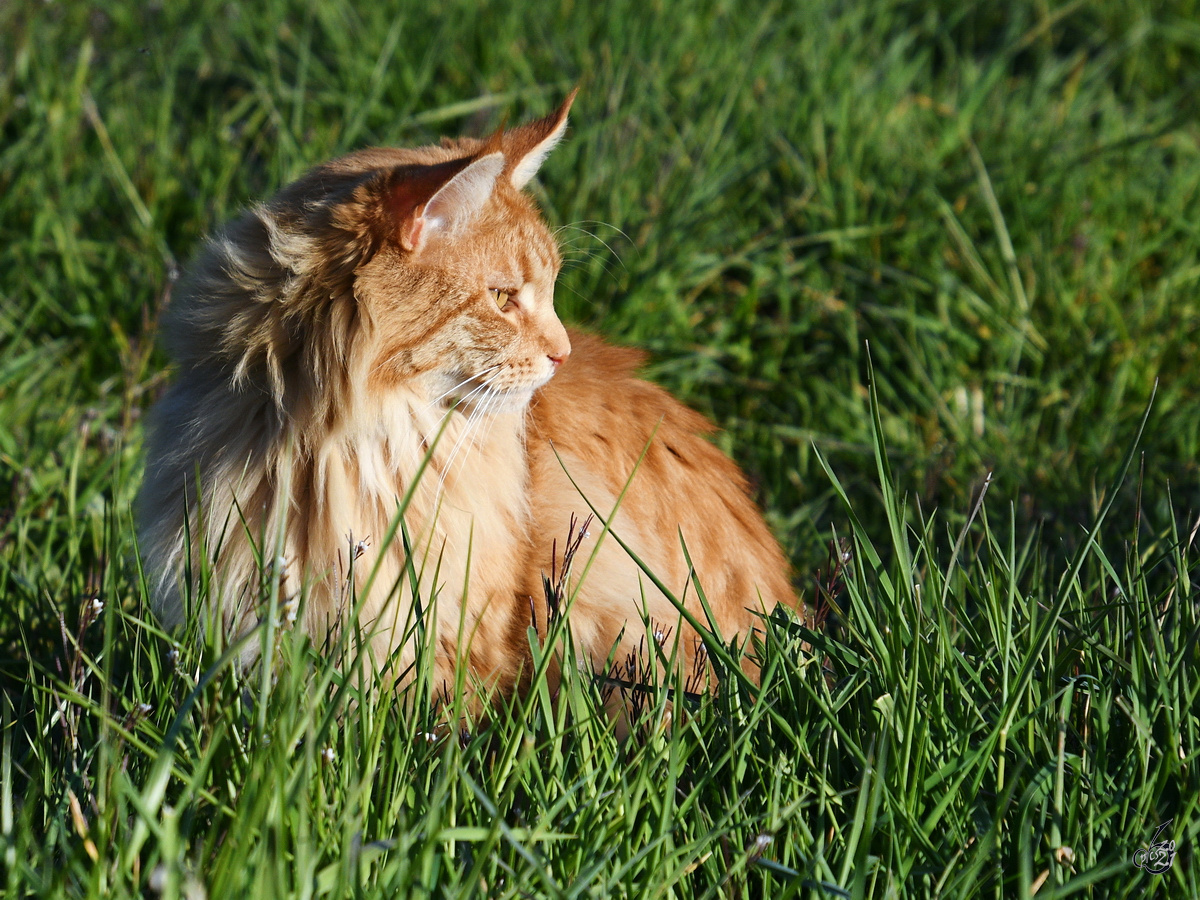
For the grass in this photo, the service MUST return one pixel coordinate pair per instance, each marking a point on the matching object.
(933, 268)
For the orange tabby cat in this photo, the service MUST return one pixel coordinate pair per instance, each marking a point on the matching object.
(394, 305)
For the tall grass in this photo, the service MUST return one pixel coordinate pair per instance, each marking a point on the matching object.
(974, 718)
(933, 268)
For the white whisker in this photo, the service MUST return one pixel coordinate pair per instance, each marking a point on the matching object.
(578, 226)
(588, 300)
(458, 404)
(466, 380)
(473, 418)
(488, 430)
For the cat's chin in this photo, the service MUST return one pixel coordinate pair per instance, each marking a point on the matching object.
(492, 402)
(514, 401)
(470, 397)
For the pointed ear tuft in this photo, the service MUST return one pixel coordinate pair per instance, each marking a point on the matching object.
(444, 199)
(528, 146)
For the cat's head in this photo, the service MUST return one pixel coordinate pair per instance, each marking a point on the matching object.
(464, 286)
(424, 267)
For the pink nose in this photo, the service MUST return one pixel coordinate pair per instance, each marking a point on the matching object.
(559, 354)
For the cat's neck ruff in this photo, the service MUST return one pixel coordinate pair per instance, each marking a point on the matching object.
(468, 509)
(404, 436)
(468, 466)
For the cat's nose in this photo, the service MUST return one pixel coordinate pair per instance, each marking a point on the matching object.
(559, 350)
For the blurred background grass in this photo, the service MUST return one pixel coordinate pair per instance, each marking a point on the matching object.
(997, 206)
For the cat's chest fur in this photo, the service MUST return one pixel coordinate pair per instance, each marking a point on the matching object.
(463, 483)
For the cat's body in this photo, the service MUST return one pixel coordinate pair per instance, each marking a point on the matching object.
(323, 341)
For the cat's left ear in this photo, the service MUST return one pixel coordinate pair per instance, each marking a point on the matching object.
(453, 199)
(527, 147)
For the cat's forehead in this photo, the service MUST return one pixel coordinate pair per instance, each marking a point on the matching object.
(528, 227)
(361, 192)
(508, 240)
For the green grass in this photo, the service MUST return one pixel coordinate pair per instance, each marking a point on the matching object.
(904, 253)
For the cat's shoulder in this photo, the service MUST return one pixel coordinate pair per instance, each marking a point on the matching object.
(599, 385)
(592, 356)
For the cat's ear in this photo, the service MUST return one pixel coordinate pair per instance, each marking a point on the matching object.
(528, 146)
(453, 203)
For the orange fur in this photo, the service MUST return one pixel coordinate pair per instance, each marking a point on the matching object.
(322, 342)
(592, 423)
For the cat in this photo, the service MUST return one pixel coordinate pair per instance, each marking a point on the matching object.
(389, 314)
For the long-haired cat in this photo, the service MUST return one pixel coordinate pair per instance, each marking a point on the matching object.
(394, 310)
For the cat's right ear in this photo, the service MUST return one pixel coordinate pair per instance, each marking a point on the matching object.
(528, 145)
(443, 201)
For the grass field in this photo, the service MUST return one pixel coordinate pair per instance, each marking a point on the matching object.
(933, 266)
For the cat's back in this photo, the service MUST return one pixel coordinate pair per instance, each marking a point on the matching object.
(591, 424)
(596, 400)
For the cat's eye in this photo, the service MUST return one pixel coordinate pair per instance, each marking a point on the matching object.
(501, 297)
